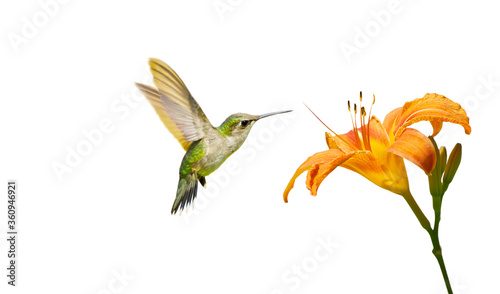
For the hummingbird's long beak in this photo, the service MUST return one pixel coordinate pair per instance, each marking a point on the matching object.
(273, 113)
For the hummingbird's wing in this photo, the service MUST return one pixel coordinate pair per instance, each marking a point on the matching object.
(154, 99)
(179, 105)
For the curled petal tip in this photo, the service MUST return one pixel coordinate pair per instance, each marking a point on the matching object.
(432, 107)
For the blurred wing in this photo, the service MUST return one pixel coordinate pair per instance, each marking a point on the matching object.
(153, 97)
(178, 102)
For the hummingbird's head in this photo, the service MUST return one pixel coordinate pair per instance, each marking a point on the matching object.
(237, 126)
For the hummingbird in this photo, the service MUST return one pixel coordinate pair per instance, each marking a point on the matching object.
(206, 146)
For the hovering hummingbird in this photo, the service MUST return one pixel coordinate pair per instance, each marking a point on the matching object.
(207, 147)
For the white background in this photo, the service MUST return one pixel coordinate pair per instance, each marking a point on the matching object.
(111, 213)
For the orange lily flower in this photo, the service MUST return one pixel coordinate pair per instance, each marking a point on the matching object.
(376, 150)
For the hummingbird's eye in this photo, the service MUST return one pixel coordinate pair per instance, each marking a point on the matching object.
(244, 123)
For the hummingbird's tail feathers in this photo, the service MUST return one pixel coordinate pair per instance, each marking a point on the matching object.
(154, 99)
(202, 181)
(186, 192)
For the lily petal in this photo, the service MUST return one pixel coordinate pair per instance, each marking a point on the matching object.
(391, 177)
(330, 141)
(320, 164)
(432, 107)
(379, 140)
(415, 147)
(345, 142)
(319, 172)
(436, 127)
(390, 120)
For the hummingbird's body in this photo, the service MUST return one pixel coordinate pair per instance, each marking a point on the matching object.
(207, 147)
(209, 153)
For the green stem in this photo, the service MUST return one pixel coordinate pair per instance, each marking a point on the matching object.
(439, 256)
(433, 233)
(437, 211)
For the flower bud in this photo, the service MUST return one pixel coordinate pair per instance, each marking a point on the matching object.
(442, 156)
(452, 165)
(435, 175)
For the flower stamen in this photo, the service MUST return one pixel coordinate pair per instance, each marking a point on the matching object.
(355, 131)
(362, 115)
(364, 133)
(350, 113)
(369, 120)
